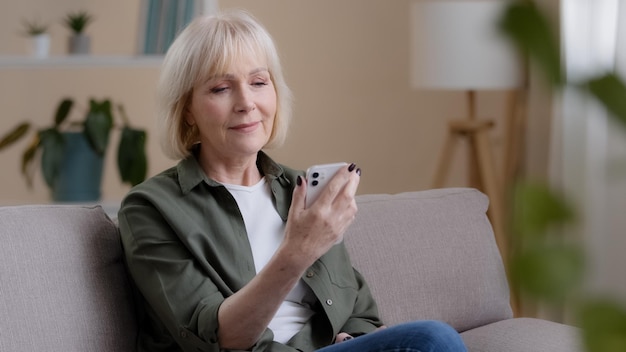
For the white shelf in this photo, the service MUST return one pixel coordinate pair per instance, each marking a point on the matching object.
(80, 61)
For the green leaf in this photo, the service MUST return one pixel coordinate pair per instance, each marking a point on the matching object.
(610, 91)
(98, 125)
(14, 135)
(77, 21)
(537, 207)
(131, 156)
(548, 272)
(52, 143)
(604, 326)
(63, 110)
(530, 31)
(35, 27)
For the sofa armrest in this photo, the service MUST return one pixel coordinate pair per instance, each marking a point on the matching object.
(430, 255)
(63, 285)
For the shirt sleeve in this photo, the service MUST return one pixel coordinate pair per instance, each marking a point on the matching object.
(184, 298)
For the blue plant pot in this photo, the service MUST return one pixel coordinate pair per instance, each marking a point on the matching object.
(80, 176)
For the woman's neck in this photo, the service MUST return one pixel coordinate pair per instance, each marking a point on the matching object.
(235, 171)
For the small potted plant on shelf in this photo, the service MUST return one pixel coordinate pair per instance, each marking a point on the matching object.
(79, 41)
(37, 31)
(72, 152)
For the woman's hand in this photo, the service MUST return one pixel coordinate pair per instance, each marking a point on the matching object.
(311, 232)
(343, 336)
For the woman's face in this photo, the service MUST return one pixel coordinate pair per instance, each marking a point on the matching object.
(234, 113)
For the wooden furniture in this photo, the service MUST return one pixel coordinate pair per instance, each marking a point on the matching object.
(481, 168)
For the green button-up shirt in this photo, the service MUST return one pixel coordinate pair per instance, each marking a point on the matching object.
(187, 249)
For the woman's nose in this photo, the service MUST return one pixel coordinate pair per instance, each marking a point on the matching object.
(245, 102)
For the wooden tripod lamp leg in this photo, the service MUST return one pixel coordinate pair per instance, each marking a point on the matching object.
(445, 159)
(491, 187)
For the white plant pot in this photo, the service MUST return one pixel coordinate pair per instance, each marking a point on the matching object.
(40, 46)
(79, 44)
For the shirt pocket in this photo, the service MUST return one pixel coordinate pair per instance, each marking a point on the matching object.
(340, 271)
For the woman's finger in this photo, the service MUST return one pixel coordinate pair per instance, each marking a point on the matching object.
(336, 184)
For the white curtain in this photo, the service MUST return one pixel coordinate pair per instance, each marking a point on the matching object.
(588, 156)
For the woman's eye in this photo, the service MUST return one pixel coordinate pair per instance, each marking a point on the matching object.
(216, 90)
(259, 84)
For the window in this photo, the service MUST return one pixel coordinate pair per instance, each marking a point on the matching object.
(164, 19)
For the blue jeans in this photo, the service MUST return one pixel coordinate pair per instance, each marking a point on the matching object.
(417, 336)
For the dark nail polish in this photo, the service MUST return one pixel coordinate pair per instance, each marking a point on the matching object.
(358, 171)
(351, 167)
(299, 181)
(347, 338)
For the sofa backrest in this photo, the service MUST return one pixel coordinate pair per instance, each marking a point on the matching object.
(425, 255)
(63, 286)
(430, 255)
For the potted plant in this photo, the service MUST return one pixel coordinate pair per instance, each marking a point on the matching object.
(79, 42)
(72, 152)
(37, 31)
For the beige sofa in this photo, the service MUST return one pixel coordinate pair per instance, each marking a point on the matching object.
(426, 255)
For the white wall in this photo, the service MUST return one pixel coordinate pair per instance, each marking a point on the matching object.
(346, 61)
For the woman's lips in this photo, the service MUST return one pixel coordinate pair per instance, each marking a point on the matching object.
(246, 127)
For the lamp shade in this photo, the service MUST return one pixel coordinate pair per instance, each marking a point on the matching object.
(457, 45)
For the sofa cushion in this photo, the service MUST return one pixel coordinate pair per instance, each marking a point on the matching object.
(430, 255)
(522, 335)
(63, 286)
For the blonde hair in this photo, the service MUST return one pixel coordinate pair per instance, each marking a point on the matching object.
(207, 47)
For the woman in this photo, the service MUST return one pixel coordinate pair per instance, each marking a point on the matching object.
(221, 248)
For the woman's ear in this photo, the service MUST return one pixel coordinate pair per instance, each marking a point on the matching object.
(188, 116)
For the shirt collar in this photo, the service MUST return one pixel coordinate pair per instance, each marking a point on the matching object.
(190, 174)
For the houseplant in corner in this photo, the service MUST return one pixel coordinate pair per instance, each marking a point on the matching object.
(550, 267)
(72, 152)
(79, 41)
(37, 32)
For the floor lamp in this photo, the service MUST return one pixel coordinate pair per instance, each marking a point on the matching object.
(455, 46)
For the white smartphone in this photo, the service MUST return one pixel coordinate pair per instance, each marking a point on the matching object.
(317, 176)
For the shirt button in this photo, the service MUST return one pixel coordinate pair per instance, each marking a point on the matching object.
(310, 274)
(329, 302)
(183, 334)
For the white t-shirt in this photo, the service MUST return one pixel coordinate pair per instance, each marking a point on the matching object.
(266, 231)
